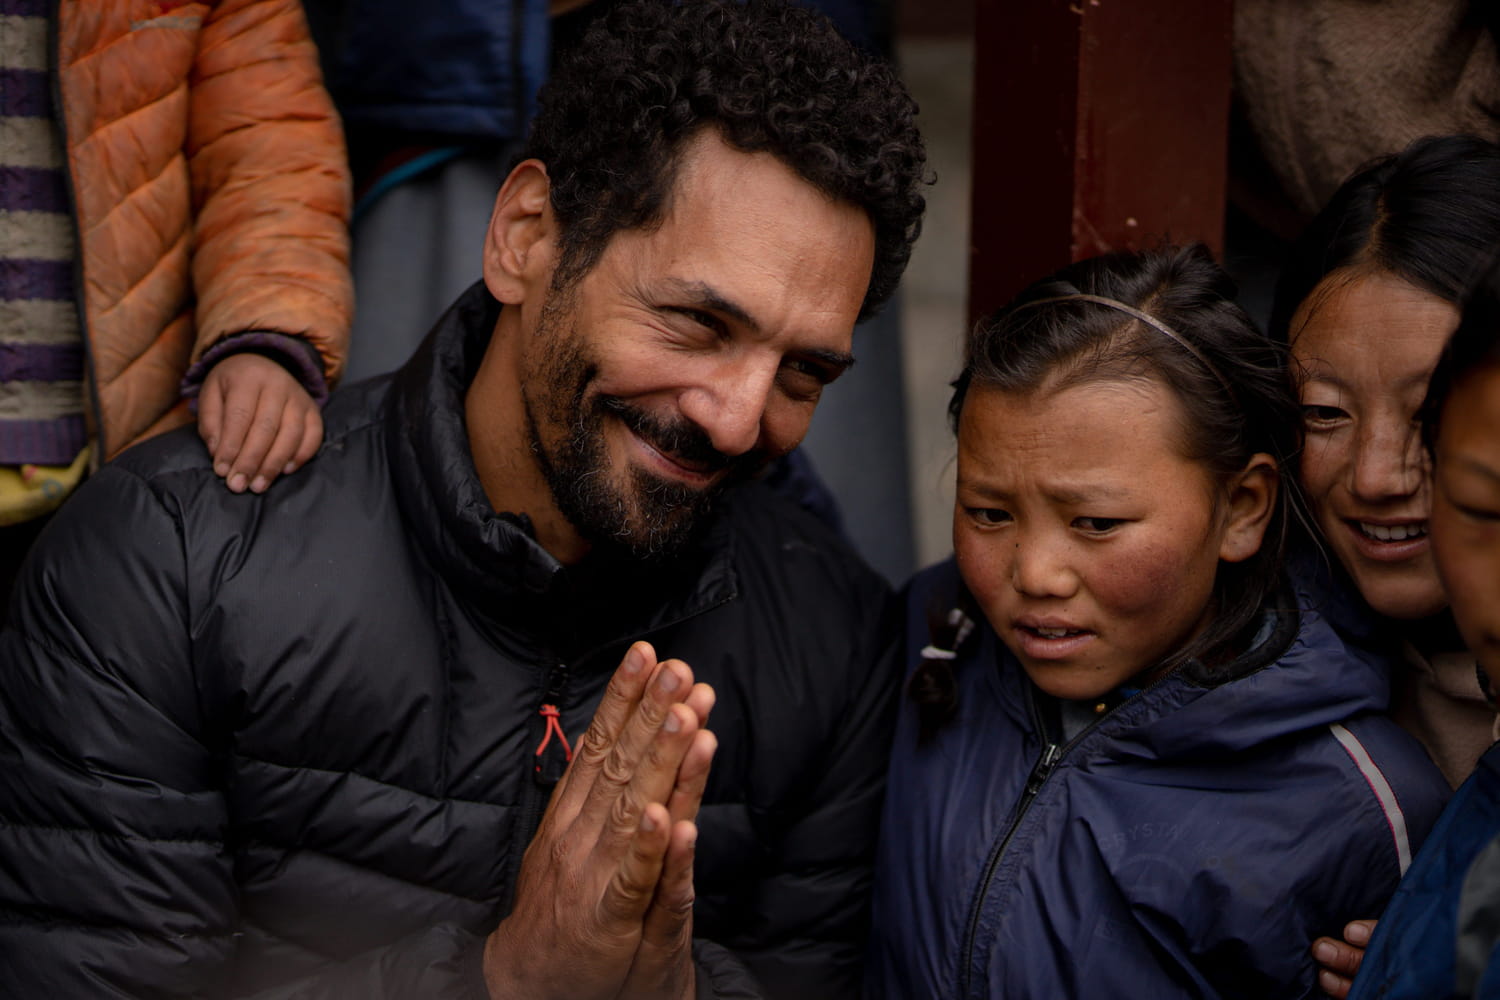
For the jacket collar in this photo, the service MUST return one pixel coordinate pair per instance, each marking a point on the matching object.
(1305, 674)
(489, 556)
(1301, 674)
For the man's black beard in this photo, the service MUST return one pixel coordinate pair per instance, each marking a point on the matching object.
(653, 519)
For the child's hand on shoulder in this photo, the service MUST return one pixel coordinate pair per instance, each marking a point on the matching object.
(257, 421)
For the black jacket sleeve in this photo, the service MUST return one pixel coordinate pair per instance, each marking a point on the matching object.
(115, 879)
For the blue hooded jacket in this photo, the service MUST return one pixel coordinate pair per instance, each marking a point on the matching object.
(1190, 842)
(1438, 937)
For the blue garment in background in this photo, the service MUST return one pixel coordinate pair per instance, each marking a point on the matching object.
(462, 68)
(1453, 888)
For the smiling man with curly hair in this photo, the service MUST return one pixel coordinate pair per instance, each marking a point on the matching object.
(400, 727)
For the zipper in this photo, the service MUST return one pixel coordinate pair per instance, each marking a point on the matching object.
(1040, 772)
(1052, 755)
(545, 774)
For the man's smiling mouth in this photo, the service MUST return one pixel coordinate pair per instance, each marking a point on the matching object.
(682, 446)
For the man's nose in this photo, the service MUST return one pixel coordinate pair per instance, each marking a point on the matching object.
(730, 405)
(1388, 461)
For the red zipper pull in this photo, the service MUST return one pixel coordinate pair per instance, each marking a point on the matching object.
(554, 727)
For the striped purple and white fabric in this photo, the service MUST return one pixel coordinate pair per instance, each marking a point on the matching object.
(41, 346)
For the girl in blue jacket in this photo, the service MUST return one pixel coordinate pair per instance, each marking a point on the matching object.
(1135, 761)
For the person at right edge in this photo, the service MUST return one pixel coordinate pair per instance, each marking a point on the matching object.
(1368, 296)
(1439, 935)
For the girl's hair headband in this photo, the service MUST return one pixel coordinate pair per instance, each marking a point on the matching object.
(1146, 318)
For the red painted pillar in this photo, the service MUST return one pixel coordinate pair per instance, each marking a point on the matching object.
(1098, 125)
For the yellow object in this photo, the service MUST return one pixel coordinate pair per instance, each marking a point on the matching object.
(29, 491)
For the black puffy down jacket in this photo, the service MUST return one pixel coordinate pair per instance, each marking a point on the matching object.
(286, 743)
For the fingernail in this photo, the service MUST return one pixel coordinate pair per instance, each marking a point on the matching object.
(213, 444)
(692, 840)
(646, 823)
(634, 660)
(1328, 981)
(221, 470)
(237, 482)
(289, 468)
(259, 485)
(673, 723)
(669, 681)
(1324, 952)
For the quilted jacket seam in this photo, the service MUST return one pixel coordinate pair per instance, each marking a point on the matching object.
(99, 128)
(110, 835)
(27, 916)
(241, 755)
(48, 647)
(132, 194)
(368, 869)
(129, 292)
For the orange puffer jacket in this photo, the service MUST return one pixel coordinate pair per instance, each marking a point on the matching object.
(211, 192)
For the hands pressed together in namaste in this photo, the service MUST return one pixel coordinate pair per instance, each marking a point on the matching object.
(604, 903)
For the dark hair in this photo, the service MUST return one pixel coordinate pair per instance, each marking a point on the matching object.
(1427, 215)
(1230, 380)
(769, 76)
(1474, 345)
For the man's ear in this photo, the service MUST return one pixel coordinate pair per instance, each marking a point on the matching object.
(518, 247)
(1252, 499)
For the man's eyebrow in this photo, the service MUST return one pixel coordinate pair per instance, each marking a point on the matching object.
(840, 360)
(705, 296)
